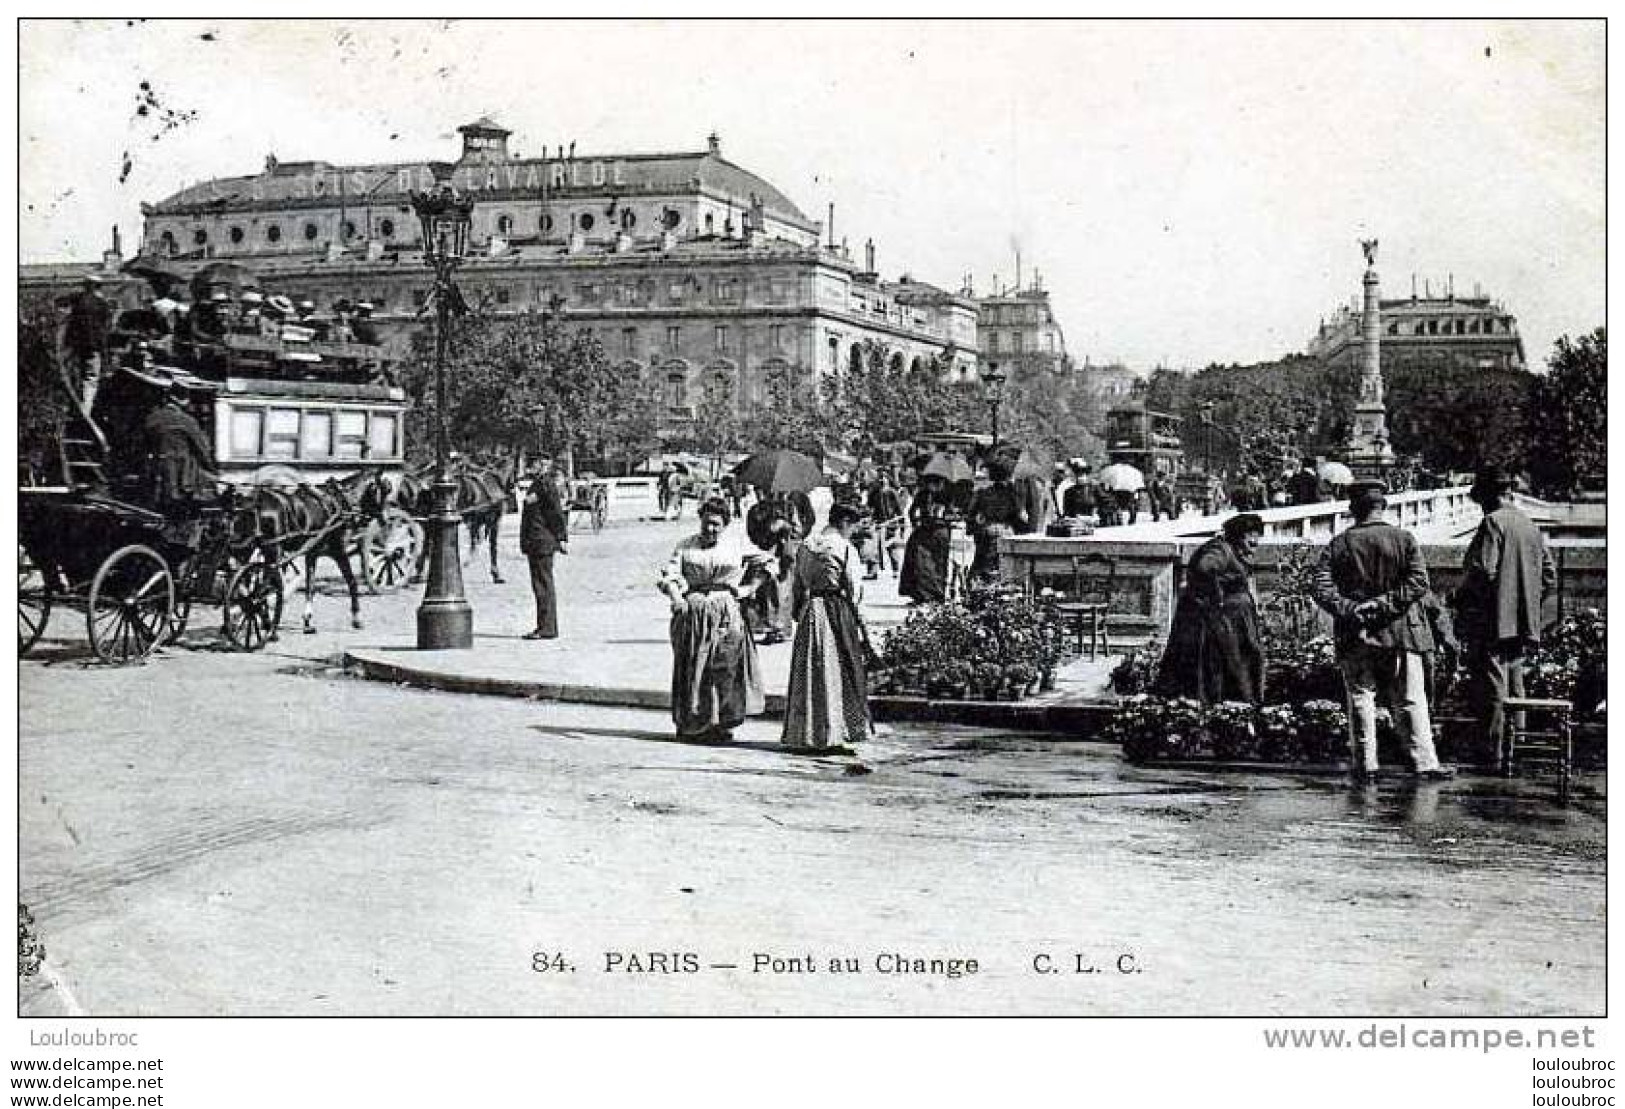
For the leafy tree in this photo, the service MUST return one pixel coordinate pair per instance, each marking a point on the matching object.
(717, 428)
(525, 383)
(41, 407)
(1568, 418)
(791, 418)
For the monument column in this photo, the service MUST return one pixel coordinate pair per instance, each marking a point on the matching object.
(1368, 453)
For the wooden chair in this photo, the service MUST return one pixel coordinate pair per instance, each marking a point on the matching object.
(1087, 603)
(1538, 733)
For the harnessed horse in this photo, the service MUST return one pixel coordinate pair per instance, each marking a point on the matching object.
(320, 521)
(481, 500)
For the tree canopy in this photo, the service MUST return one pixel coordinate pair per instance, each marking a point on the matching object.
(1568, 418)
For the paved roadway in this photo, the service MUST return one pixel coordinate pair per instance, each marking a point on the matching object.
(217, 833)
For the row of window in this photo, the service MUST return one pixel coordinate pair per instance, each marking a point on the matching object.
(1453, 326)
(285, 433)
(1018, 342)
(272, 233)
(722, 337)
(385, 228)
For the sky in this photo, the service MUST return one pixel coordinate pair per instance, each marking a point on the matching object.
(1191, 192)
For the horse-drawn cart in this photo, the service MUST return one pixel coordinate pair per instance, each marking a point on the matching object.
(136, 573)
(589, 497)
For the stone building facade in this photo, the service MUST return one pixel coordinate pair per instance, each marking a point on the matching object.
(685, 266)
(1470, 331)
(1020, 328)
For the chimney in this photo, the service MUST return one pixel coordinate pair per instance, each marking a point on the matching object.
(113, 257)
(832, 225)
(869, 256)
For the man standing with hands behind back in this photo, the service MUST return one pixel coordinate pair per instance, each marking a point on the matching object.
(1372, 579)
(543, 531)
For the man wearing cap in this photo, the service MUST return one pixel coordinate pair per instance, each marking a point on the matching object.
(543, 532)
(1507, 574)
(90, 319)
(1371, 578)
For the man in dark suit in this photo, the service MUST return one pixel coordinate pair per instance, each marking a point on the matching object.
(543, 532)
(1372, 579)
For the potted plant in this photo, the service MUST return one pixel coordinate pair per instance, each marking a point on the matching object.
(989, 676)
(1022, 679)
(958, 677)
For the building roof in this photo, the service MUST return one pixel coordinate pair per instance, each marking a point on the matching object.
(291, 184)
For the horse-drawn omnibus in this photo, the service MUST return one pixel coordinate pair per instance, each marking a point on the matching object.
(303, 433)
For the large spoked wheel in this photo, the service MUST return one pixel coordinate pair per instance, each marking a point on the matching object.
(253, 606)
(389, 551)
(132, 600)
(33, 602)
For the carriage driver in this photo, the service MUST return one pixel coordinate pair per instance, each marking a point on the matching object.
(180, 459)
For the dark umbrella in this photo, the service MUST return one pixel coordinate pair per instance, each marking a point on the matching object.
(780, 471)
(949, 467)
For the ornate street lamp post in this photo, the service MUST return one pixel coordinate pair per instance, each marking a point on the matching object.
(445, 619)
(994, 378)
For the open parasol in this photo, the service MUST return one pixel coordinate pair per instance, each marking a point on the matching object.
(780, 471)
(1120, 477)
(1335, 473)
(949, 467)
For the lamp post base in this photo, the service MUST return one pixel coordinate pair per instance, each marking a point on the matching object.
(445, 620)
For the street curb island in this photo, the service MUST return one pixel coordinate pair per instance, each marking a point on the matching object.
(1073, 720)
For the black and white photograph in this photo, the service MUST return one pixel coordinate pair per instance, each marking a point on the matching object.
(700, 518)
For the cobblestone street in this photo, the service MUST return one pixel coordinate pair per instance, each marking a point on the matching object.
(219, 833)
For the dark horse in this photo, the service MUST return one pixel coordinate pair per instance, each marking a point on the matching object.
(484, 494)
(320, 521)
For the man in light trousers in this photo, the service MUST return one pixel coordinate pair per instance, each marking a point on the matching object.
(1371, 579)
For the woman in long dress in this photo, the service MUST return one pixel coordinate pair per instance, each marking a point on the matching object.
(925, 559)
(715, 679)
(1214, 649)
(828, 701)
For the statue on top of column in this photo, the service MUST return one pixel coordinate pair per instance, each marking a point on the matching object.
(1370, 248)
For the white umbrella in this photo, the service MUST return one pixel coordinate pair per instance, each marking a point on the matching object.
(1120, 477)
(1335, 473)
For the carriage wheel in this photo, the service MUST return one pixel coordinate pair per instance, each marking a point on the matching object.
(33, 602)
(253, 605)
(132, 601)
(389, 551)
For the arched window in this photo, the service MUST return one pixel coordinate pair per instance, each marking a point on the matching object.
(166, 242)
(386, 228)
(236, 234)
(349, 230)
(311, 231)
(273, 234)
(670, 218)
(897, 362)
(200, 236)
(629, 219)
(586, 221)
(710, 223)
(544, 222)
(504, 224)
(854, 358)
